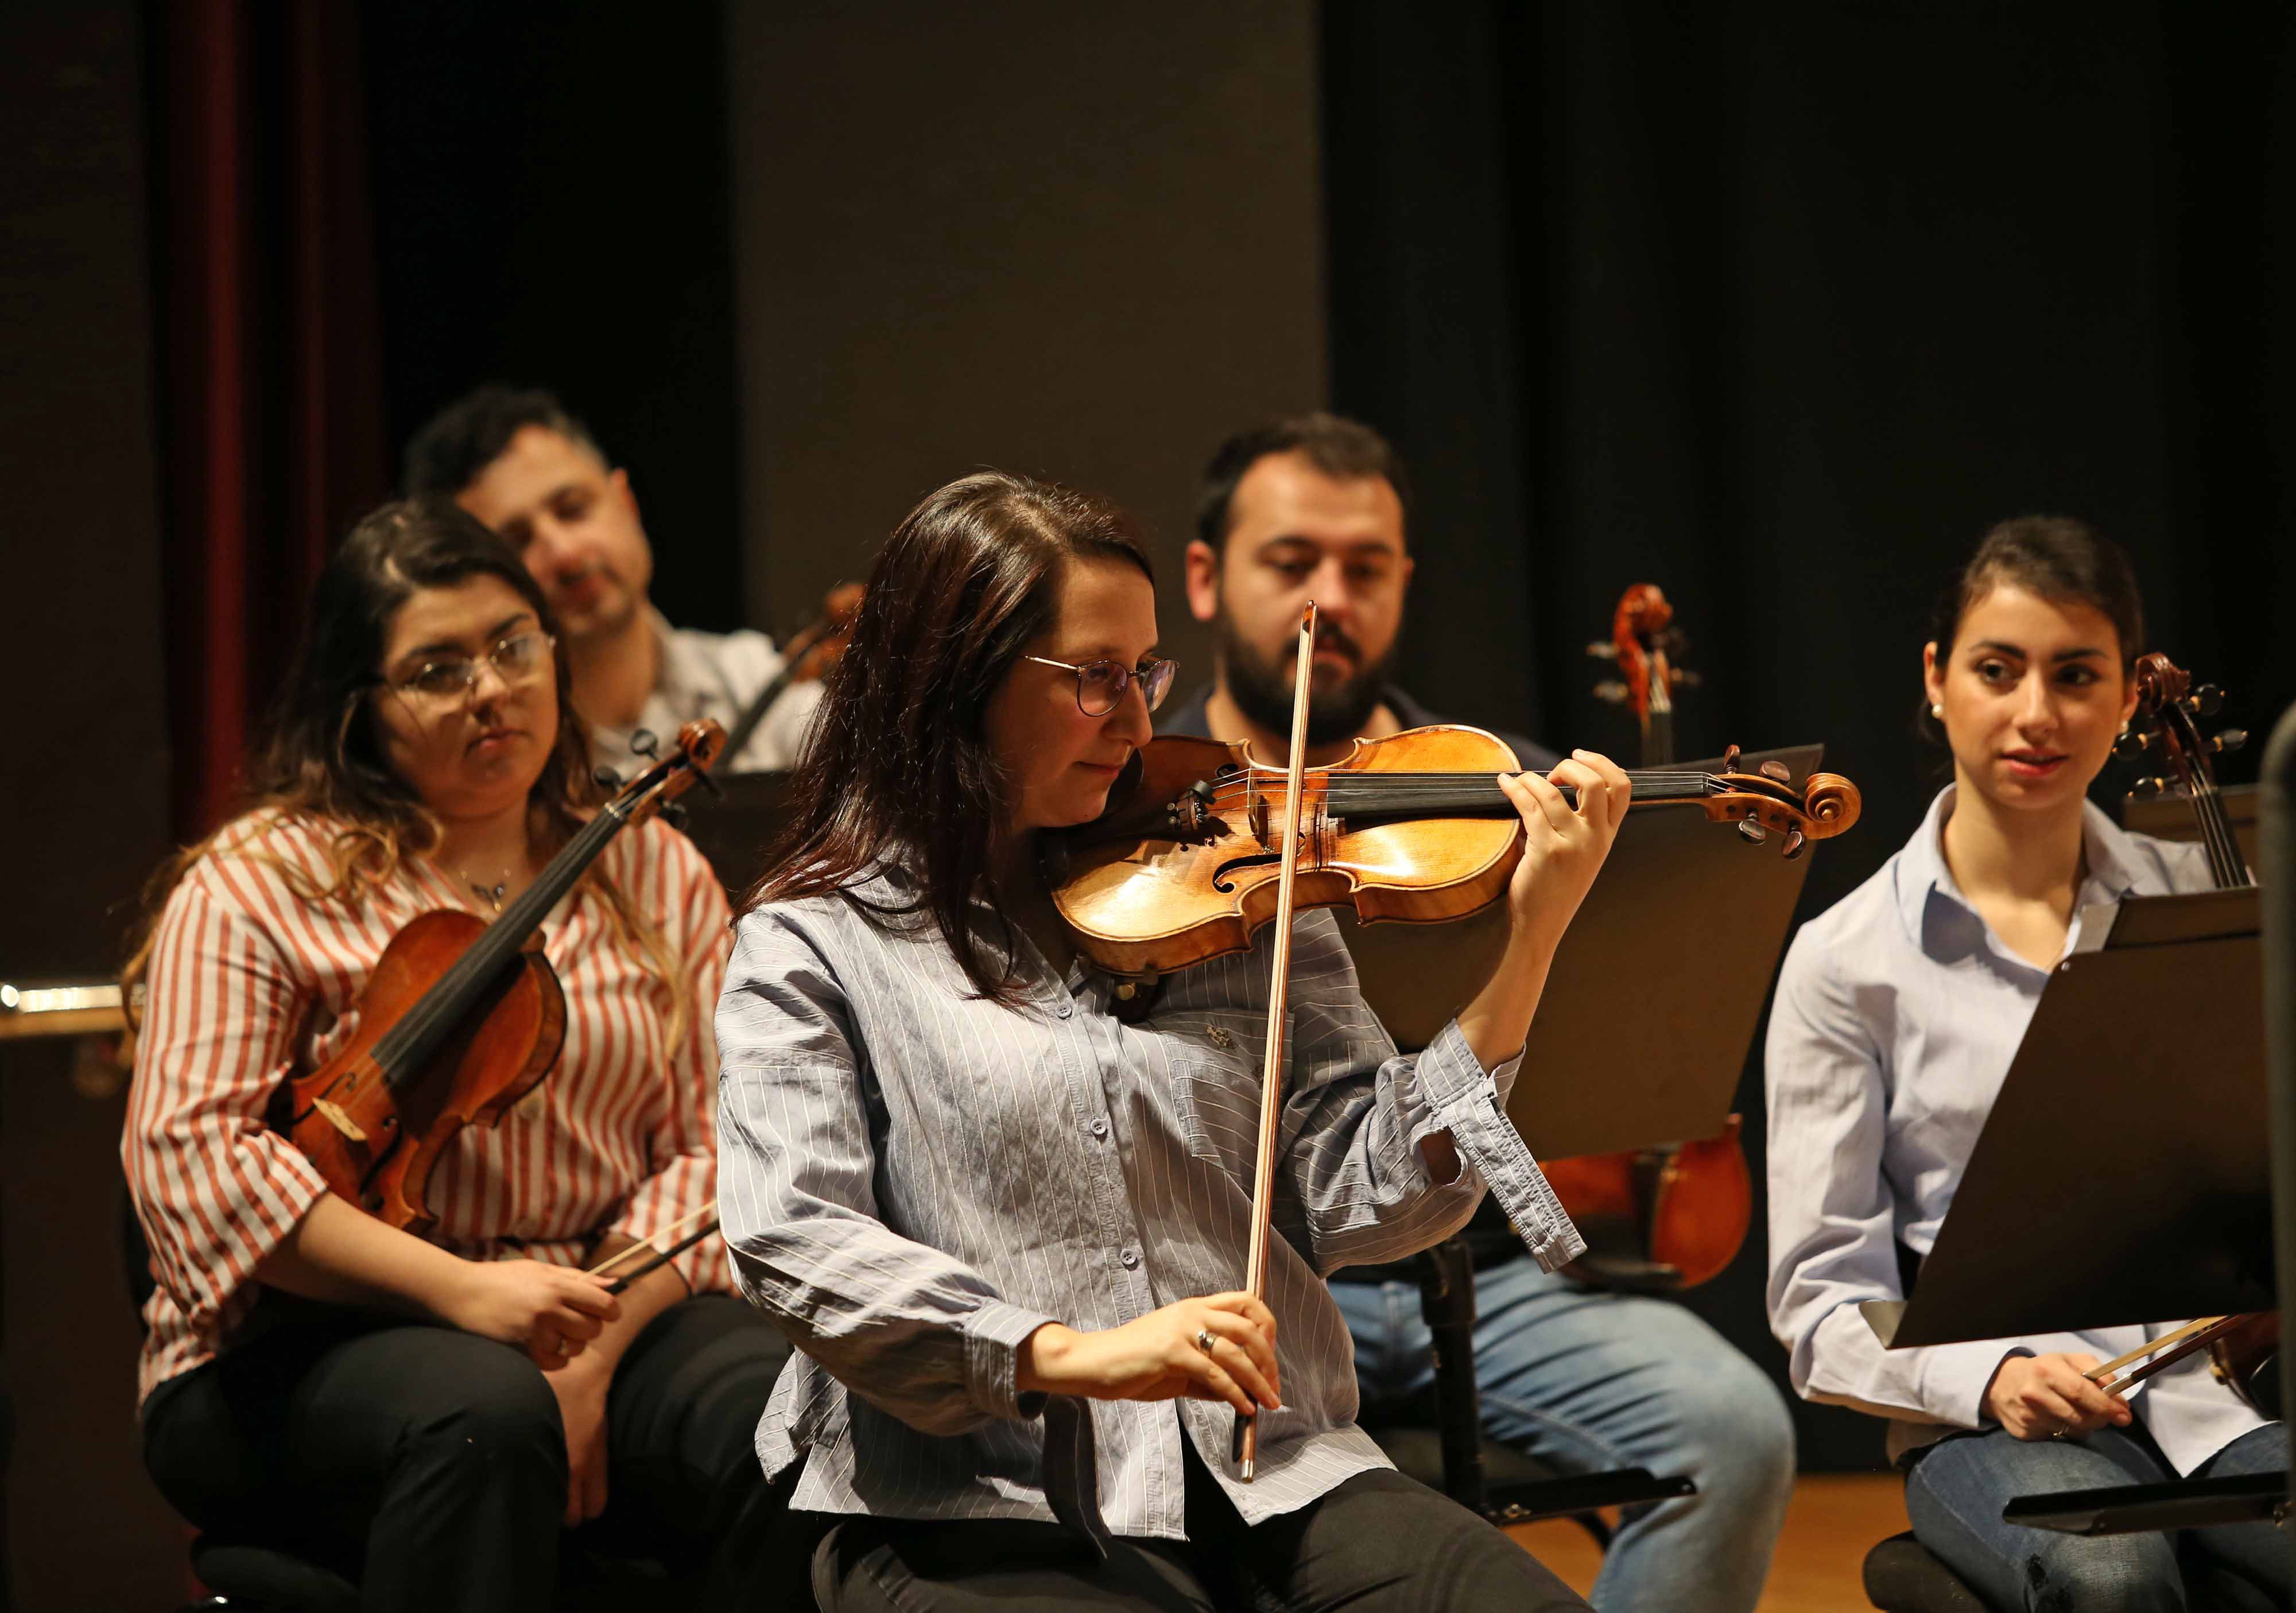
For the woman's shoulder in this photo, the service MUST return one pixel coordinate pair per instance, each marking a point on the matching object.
(2148, 864)
(267, 846)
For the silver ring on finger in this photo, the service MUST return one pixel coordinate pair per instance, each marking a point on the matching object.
(2060, 1433)
(1204, 1339)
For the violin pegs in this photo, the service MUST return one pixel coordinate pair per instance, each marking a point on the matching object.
(2131, 744)
(1604, 650)
(643, 742)
(1730, 759)
(607, 778)
(1612, 691)
(1795, 844)
(2207, 699)
(1776, 772)
(1752, 832)
(2231, 739)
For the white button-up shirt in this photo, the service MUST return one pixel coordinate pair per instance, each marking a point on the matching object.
(1897, 1014)
(714, 675)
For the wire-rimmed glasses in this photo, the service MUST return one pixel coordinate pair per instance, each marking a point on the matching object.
(452, 677)
(1101, 684)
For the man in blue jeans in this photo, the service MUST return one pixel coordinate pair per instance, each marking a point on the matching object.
(1584, 1379)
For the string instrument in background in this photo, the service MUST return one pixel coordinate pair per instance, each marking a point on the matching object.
(2244, 1350)
(809, 655)
(1645, 642)
(460, 1020)
(1655, 1219)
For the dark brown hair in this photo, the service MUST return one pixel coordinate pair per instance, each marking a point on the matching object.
(2062, 560)
(321, 764)
(898, 773)
(1346, 450)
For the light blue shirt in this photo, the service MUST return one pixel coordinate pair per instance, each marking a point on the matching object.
(914, 1179)
(1897, 1014)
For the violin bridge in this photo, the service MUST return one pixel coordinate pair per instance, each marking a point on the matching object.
(333, 1115)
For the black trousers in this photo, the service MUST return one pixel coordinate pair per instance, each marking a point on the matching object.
(429, 1465)
(1379, 1543)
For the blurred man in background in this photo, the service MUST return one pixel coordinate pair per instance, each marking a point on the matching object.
(521, 462)
(1583, 1380)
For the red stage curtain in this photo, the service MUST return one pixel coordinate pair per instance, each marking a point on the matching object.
(271, 388)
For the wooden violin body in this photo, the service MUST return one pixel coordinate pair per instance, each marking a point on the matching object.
(349, 1118)
(1182, 865)
(460, 1019)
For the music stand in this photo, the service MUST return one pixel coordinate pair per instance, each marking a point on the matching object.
(2155, 1165)
(1674, 880)
(734, 824)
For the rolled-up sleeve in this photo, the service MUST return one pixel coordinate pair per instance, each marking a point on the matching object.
(1358, 1113)
(911, 1330)
(216, 1190)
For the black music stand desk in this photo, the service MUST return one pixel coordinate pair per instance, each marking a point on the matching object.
(2131, 1151)
(1640, 1038)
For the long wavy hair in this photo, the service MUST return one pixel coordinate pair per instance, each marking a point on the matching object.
(320, 764)
(897, 772)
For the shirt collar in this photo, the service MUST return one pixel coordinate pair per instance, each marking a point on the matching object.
(2113, 868)
(675, 672)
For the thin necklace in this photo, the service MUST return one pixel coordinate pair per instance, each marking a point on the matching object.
(492, 893)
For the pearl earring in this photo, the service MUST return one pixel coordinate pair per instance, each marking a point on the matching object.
(1937, 710)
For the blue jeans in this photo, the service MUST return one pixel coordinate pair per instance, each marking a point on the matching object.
(1959, 1487)
(1585, 1382)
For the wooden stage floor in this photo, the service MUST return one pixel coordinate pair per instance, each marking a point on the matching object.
(1833, 1519)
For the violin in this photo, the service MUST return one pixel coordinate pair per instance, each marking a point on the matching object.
(809, 655)
(2242, 1350)
(1183, 864)
(460, 1020)
(1655, 1219)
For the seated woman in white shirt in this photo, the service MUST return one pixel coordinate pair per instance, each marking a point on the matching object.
(1005, 1227)
(1897, 1016)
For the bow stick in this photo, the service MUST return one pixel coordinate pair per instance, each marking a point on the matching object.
(703, 1221)
(1246, 1443)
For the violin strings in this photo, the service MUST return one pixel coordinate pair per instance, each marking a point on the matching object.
(443, 1005)
(1404, 784)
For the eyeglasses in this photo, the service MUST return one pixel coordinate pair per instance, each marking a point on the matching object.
(515, 660)
(1100, 685)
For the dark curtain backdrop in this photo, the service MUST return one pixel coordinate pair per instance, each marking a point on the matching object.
(1780, 307)
(265, 285)
(553, 208)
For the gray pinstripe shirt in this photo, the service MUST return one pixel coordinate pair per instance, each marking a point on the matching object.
(912, 1181)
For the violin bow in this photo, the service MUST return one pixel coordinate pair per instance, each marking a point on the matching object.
(703, 1222)
(1246, 1443)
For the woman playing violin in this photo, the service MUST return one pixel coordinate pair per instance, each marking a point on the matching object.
(1897, 1016)
(1004, 1224)
(427, 1412)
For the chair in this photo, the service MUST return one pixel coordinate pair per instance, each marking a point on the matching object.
(1903, 1575)
(1499, 1482)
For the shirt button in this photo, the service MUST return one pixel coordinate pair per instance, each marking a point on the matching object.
(1067, 1009)
(1099, 1126)
(1129, 1255)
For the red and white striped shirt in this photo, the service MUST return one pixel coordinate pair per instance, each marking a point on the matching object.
(250, 984)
